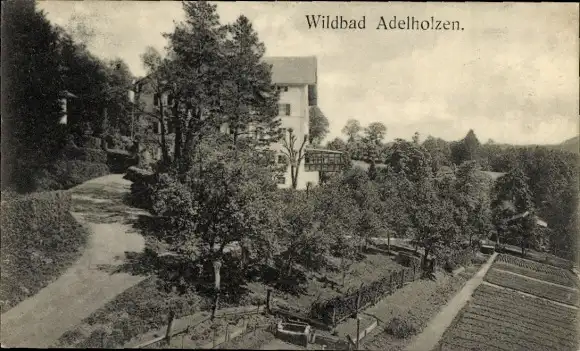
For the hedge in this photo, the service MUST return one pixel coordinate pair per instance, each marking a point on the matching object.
(40, 239)
(67, 174)
(85, 154)
(141, 188)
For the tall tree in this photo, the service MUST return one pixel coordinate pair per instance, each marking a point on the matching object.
(472, 198)
(199, 72)
(159, 83)
(31, 87)
(336, 144)
(318, 125)
(229, 197)
(513, 207)
(467, 149)
(250, 100)
(352, 130)
(440, 152)
(409, 159)
(293, 150)
(375, 132)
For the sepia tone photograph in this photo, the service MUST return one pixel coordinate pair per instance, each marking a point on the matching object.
(290, 175)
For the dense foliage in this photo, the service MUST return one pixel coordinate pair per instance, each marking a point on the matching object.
(41, 63)
(40, 239)
(546, 174)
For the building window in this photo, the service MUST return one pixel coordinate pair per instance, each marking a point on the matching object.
(155, 99)
(282, 88)
(280, 180)
(156, 127)
(281, 159)
(284, 109)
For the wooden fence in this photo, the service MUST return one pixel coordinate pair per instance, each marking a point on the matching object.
(337, 309)
(175, 331)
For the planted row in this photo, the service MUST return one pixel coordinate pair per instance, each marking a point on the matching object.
(552, 278)
(534, 287)
(532, 265)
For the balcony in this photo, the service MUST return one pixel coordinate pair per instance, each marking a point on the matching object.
(318, 160)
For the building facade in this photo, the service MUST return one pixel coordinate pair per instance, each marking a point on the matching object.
(296, 79)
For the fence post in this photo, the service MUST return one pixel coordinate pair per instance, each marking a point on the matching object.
(214, 334)
(402, 278)
(169, 327)
(357, 302)
(227, 332)
(333, 316)
(357, 331)
(391, 283)
(268, 296)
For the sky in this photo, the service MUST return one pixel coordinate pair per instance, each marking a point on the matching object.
(511, 74)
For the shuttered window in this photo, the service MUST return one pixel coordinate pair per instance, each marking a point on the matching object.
(284, 109)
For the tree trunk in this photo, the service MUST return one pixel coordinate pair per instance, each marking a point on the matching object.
(217, 271)
(289, 268)
(293, 177)
(425, 257)
(164, 150)
(177, 143)
(343, 271)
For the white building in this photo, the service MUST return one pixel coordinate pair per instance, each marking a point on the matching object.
(296, 79)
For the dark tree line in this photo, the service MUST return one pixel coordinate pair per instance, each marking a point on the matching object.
(40, 62)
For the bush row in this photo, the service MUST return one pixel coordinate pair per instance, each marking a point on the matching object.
(66, 174)
(457, 259)
(141, 188)
(40, 239)
(85, 154)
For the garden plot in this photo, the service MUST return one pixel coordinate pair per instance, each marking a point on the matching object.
(531, 265)
(498, 319)
(538, 288)
(552, 278)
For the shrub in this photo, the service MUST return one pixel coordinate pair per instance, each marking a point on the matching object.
(72, 173)
(92, 142)
(40, 239)
(119, 142)
(141, 188)
(63, 174)
(401, 328)
(135, 174)
(85, 154)
(119, 160)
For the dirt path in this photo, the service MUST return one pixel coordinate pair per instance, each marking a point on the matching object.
(430, 336)
(86, 286)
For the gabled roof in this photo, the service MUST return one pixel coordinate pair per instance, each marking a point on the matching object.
(293, 70)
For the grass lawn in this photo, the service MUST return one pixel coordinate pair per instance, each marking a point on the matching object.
(145, 307)
(416, 304)
(139, 309)
(328, 283)
(30, 265)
